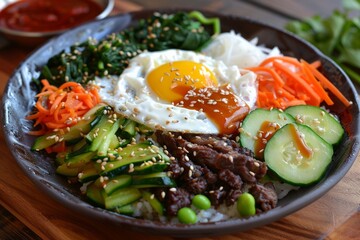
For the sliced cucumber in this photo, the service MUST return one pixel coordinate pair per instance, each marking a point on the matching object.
(116, 183)
(68, 171)
(80, 159)
(258, 127)
(132, 154)
(150, 167)
(129, 129)
(89, 173)
(84, 170)
(319, 120)
(122, 197)
(160, 179)
(147, 131)
(99, 133)
(104, 145)
(298, 155)
(94, 193)
(126, 210)
(75, 132)
(154, 202)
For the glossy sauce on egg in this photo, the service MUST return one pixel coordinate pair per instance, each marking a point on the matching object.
(220, 104)
(192, 85)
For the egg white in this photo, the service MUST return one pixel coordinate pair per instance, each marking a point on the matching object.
(130, 95)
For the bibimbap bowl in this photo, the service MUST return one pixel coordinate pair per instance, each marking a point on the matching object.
(20, 94)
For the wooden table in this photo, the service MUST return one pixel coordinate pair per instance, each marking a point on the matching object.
(26, 213)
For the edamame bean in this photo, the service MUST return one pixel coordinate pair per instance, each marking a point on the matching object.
(201, 202)
(246, 205)
(187, 215)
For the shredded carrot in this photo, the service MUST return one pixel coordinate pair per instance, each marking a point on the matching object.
(286, 81)
(315, 84)
(61, 107)
(306, 90)
(316, 64)
(290, 60)
(325, 82)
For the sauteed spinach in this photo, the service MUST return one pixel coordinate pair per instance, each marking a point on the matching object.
(111, 55)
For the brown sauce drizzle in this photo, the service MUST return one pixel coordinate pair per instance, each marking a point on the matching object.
(221, 105)
(300, 143)
(266, 131)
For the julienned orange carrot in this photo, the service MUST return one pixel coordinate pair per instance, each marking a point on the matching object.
(325, 82)
(286, 59)
(286, 81)
(315, 84)
(61, 107)
(300, 83)
(316, 64)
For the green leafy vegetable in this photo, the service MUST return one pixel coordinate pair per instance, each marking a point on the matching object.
(336, 36)
(82, 62)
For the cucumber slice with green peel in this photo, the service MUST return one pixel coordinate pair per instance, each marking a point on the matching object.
(258, 127)
(126, 210)
(114, 142)
(80, 159)
(154, 202)
(122, 197)
(160, 179)
(150, 167)
(100, 137)
(319, 120)
(71, 167)
(105, 144)
(79, 145)
(298, 155)
(147, 131)
(67, 171)
(129, 129)
(95, 194)
(133, 154)
(88, 174)
(74, 133)
(116, 183)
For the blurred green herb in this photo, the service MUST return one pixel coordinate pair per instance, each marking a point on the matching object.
(111, 56)
(337, 36)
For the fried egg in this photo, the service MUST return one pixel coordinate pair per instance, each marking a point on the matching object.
(182, 91)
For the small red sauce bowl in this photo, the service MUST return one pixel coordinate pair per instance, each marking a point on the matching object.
(31, 22)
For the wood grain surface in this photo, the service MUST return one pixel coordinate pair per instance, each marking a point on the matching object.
(30, 214)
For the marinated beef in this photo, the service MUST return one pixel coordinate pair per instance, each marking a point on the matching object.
(265, 196)
(175, 200)
(215, 166)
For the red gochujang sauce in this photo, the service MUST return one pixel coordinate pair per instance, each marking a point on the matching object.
(47, 15)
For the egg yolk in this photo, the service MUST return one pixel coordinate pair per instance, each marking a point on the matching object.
(171, 81)
(192, 85)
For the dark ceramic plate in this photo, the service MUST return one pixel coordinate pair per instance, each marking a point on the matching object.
(19, 97)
